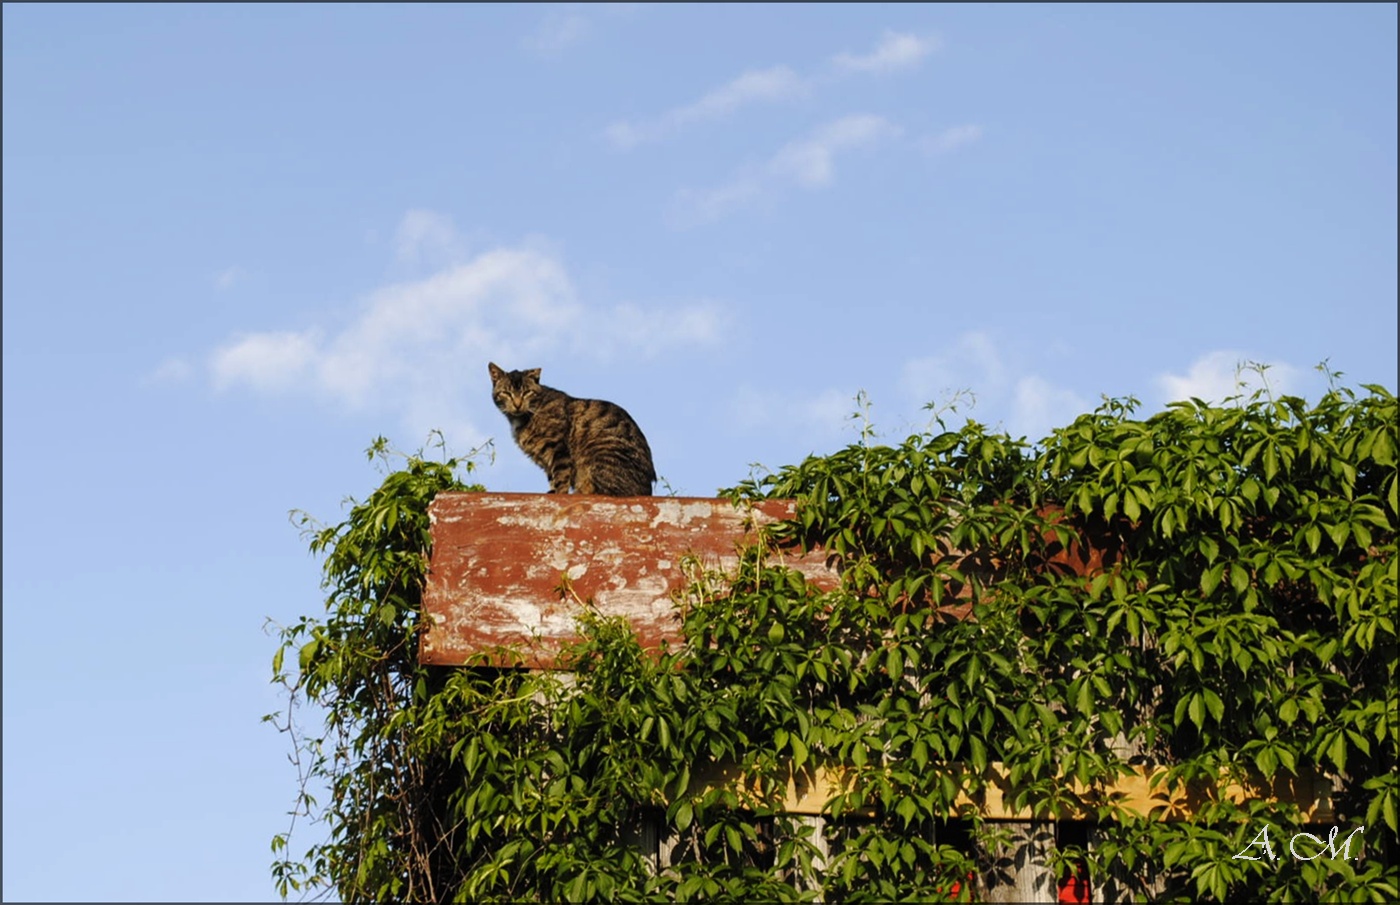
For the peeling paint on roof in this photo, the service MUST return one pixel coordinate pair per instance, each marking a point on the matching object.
(500, 561)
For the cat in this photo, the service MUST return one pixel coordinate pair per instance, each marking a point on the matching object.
(584, 445)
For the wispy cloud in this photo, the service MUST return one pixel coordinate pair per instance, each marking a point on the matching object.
(774, 84)
(971, 363)
(226, 278)
(172, 370)
(1223, 373)
(808, 163)
(556, 32)
(412, 346)
(1024, 404)
(427, 237)
(971, 377)
(821, 415)
(267, 362)
(777, 83)
(629, 329)
(567, 25)
(951, 138)
(691, 207)
(895, 51)
(1038, 407)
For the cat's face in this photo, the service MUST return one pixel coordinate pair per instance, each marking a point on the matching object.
(514, 391)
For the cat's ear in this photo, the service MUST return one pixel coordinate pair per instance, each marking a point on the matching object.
(533, 374)
(496, 372)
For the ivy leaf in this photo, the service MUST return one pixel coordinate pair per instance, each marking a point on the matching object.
(1239, 578)
(799, 752)
(307, 653)
(1215, 705)
(1210, 579)
(1084, 701)
(1131, 507)
(978, 753)
(685, 813)
(1196, 710)
(1337, 750)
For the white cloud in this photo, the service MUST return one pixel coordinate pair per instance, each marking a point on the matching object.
(226, 278)
(630, 329)
(627, 135)
(425, 236)
(771, 85)
(975, 363)
(1223, 373)
(829, 408)
(823, 414)
(172, 370)
(808, 163)
(265, 361)
(759, 85)
(556, 32)
(1038, 407)
(412, 347)
(777, 83)
(895, 51)
(694, 206)
(972, 363)
(951, 138)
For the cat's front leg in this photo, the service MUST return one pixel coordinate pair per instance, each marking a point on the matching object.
(561, 473)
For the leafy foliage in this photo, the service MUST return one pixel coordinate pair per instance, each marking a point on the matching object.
(1210, 591)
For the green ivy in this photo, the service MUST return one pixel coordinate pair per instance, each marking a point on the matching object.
(1242, 624)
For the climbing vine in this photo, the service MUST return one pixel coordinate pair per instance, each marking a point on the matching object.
(1209, 592)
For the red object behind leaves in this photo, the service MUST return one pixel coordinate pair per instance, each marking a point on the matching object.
(1074, 887)
(955, 888)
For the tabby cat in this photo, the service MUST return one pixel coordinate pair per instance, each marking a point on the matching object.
(587, 445)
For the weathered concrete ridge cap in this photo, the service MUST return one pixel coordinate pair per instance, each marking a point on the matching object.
(499, 560)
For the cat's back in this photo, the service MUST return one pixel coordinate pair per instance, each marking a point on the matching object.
(600, 418)
(610, 451)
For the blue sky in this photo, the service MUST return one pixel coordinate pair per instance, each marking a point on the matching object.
(242, 241)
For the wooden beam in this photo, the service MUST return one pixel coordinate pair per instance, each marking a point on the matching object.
(499, 561)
